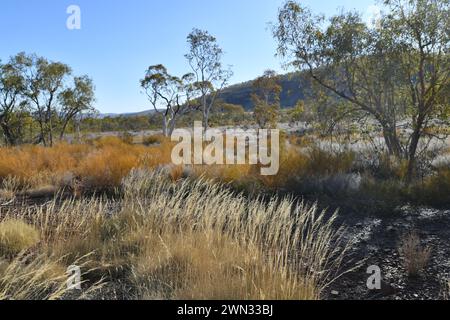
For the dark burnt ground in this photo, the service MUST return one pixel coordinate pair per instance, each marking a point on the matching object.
(376, 242)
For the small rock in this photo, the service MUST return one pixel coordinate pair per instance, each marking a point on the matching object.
(335, 293)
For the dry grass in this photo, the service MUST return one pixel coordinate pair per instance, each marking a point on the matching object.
(415, 256)
(16, 236)
(295, 165)
(8, 188)
(206, 235)
(98, 165)
(434, 190)
(154, 139)
(447, 290)
(185, 240)
(32, 278)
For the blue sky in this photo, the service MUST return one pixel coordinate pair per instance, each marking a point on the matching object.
(119, 39)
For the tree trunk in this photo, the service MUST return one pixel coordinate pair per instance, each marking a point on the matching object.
(412, 151)
(392, 142)
(172, 125)
(9, 137)
(206, 119)
(42, 137)
(63, 130)
(164, 128)
(50, 134)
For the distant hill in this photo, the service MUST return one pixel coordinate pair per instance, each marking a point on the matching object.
(295, 87)
(131, 114)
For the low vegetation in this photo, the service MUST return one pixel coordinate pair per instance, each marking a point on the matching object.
(177, 240)
(415, 256)
(16, 236)
(95, 166)
(306, 169)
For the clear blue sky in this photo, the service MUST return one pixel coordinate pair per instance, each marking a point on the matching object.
(119, 39)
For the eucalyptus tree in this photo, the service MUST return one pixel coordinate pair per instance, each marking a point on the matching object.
(75, 101)
(12, 102)
(266, 99)
(396, 70)
(169, 95)
(36, 87)
(45, 83)
(421, 29)
(205, 60)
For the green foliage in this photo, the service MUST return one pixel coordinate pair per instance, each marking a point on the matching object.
(37, 99)
(384, 72)
(205, 60)
(266, 99)
(296, 113)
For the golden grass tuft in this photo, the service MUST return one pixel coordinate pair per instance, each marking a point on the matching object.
(16, 236)
(212, 266)
(435, 188)
(32, 278)
(205, 242)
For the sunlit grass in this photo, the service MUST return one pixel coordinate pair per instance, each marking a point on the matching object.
(178, 240)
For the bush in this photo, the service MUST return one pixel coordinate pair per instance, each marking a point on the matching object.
(16, 236)
(98, 165)
(434, 190)
(153, 139)
(415, 256)
(322, 162)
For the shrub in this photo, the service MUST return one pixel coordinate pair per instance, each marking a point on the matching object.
(415, 256)
(153, 139)
(16, 236)
(322, 162)
(434, 190)
(99, 165)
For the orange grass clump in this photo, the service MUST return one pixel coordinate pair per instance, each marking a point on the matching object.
(100, 164)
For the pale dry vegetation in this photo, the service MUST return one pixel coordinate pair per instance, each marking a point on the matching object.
(415, 256)
(175, 240)
(16, 236)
